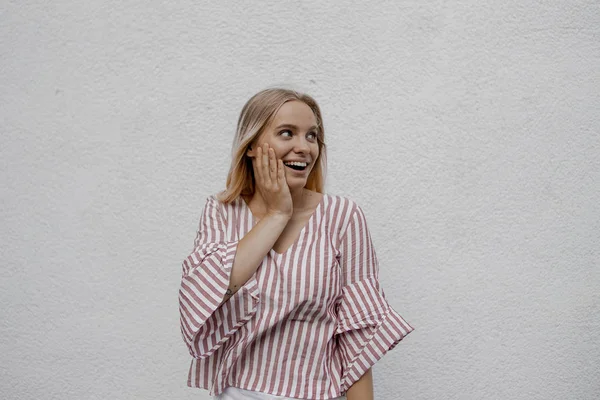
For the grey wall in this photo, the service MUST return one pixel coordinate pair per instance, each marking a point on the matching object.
(468, 131)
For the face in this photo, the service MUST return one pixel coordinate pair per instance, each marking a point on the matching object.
(293, 136)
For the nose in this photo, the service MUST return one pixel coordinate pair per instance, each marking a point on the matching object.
(301, 145)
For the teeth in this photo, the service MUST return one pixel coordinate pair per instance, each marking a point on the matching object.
(299, 164)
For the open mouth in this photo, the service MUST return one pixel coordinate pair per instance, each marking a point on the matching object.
(298, 166)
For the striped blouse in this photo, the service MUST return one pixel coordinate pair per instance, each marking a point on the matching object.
(308, 324)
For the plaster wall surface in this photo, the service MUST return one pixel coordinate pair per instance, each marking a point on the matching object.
(468, 132)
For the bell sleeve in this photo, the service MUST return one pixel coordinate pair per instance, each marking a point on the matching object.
(367, 326)
(206, 324)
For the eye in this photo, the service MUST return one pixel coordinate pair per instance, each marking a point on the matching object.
(313, 134)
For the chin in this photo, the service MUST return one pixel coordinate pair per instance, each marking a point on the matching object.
(297, 184)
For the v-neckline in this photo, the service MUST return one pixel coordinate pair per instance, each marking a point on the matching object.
(275, 254)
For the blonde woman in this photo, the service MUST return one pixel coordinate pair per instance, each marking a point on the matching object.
(280, 298)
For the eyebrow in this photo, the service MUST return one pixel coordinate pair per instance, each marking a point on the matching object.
(314, 127)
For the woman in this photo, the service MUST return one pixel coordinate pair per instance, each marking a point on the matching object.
(280, 297)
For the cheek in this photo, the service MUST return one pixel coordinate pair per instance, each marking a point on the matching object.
(316, 150)
(272, 146)
(279, 153)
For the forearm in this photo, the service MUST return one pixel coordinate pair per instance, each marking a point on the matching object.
(362, 389)
(253, 248)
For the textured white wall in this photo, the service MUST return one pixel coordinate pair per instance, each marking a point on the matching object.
(468, 131)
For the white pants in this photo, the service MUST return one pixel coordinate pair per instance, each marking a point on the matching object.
(234, 393)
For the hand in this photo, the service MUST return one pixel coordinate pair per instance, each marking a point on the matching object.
(270, 181)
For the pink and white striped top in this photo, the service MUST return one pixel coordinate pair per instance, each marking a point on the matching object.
(308, 324)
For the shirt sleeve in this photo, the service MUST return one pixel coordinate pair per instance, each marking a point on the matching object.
(367, 326)
(206, 324)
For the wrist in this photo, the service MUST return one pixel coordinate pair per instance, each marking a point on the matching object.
(279, 216)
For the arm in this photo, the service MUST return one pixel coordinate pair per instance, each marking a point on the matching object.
(367, 325)
(362, 389)
(215, 271)
(253, 248)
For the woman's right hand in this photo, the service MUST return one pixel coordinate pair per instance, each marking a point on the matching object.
(270, 181)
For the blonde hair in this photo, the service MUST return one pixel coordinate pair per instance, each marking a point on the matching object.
(256, 114)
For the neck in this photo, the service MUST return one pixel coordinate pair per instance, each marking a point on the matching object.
(299, 199)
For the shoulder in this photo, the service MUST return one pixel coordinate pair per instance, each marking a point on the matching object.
(214, 198)
(344, 212)
(342, 205)
(214, 205)
(211, 202)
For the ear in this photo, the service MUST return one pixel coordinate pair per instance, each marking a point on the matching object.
(250, 152)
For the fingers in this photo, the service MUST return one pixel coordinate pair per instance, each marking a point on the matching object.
(272, 166)
(281, 173)
(265, 164)
(267, 169)
(257, 163)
